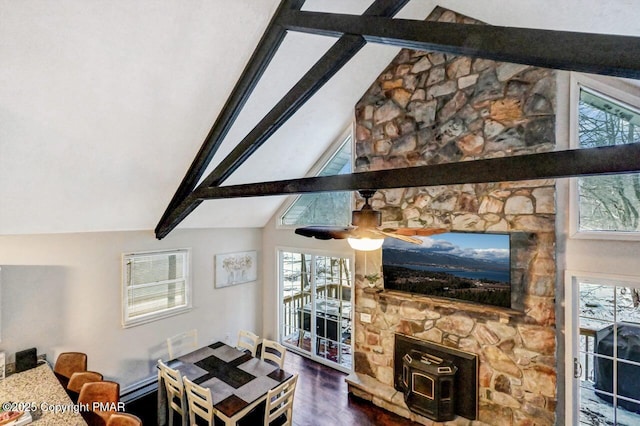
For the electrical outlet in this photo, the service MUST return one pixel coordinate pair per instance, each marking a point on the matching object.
(227, 337)
(365, 317)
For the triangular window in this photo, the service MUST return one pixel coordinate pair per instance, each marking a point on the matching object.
(324, 208)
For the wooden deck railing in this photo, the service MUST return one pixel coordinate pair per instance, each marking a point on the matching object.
(293, 304)
(589, 349)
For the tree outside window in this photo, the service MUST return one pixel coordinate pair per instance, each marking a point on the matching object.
(608, 203)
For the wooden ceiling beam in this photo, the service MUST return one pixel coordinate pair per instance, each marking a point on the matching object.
(614, 55)
(594, 53)
(331, 62)
(326, 67)
(549, 165)
(260, 59)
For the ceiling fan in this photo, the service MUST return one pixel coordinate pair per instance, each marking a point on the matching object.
(365, 232)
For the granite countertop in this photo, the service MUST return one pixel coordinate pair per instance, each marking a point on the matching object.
(39, 389)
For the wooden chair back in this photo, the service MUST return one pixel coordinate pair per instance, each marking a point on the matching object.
(280, 402)
(200, 402)
(248, 340)
(274, 352)
(182, 343)
(175, 389)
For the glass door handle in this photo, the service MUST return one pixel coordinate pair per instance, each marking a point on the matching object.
(577, 368)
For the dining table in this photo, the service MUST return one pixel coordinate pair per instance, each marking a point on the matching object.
(238, 381)
(38, 393)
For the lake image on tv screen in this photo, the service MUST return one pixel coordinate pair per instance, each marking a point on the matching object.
(467, 266)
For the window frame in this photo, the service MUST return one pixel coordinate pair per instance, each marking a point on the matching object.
(616, 90)
(326, 157)
(127, 320)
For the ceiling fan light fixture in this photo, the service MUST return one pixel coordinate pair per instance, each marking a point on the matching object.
(365, 244)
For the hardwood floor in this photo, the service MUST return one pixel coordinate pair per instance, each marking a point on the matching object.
(321, 398)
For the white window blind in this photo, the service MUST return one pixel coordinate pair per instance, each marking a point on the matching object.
(155, 285)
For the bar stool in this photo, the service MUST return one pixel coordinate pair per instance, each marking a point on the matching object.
(124, 419)
(106, 393)
(78, 379)
(67, 364)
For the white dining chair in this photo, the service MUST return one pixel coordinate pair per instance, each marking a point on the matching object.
(274, 352)
(182, 343)
(175, 390)
(200, 403)
(280, 403)
(248, 340)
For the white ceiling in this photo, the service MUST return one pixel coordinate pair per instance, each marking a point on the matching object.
(103, 105)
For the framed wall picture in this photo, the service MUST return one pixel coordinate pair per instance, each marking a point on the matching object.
(235, 268)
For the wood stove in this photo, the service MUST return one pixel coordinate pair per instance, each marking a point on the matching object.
(429, 385)
(425, 370)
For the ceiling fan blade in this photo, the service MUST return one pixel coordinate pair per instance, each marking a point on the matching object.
(365, 221)
(404, 238)
(325, 232)
(423, 232)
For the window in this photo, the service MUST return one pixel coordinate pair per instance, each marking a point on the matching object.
(155, 285)
(325, 208)
(606, 205)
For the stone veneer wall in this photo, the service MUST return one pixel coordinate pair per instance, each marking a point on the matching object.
(430, 108)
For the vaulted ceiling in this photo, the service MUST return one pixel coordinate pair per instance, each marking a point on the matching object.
(103, 105)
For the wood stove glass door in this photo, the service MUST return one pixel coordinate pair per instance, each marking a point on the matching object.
(423, 385)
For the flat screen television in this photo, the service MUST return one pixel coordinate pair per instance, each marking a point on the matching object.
(468, 266)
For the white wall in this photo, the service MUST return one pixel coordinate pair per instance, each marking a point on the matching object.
(61, 292)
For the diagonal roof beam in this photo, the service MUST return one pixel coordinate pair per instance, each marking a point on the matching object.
(330, 63)
(549, 165)
(585, 52)
(260, 59)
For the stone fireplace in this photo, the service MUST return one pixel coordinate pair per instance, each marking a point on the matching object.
(431, 108)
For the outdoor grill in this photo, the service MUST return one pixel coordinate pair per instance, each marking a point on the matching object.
(628, 368)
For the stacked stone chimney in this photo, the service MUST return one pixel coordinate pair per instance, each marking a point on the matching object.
(431, 108)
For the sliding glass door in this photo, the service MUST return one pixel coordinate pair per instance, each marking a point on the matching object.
(604, 316)
(315, 311)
